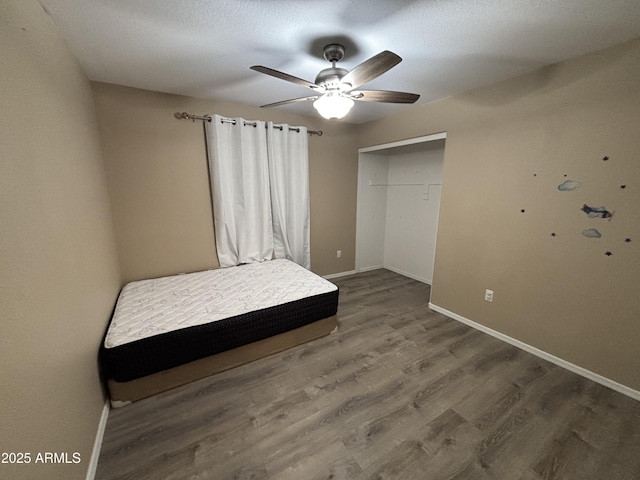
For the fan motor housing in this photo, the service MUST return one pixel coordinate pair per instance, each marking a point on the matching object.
(330, 76)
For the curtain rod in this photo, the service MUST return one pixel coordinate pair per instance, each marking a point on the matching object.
(188, 116)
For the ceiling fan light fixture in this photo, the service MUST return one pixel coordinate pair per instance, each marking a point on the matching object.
(335, 88)
(332, 105)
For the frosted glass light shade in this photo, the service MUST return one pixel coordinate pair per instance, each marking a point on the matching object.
(332, 105)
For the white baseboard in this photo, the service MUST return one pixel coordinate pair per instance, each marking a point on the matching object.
(341, 274)
(97, 444)
(395, 270)
(369, 269)
(407, 274)
(607, 382)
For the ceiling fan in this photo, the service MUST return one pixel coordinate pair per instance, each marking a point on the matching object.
(336, 88)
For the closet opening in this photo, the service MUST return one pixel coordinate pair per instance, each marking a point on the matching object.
(398, 205)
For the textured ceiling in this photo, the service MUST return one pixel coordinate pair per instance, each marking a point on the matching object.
(204, 48)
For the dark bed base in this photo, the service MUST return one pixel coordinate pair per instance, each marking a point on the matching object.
(126, 392)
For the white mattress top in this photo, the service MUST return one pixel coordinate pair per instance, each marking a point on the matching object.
(150, 307)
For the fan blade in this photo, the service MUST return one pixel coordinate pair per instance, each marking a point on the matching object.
(293, 100)
(385, 96)
(286, 76)
(372, 68)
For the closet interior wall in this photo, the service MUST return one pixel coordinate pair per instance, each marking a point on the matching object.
(398, 205)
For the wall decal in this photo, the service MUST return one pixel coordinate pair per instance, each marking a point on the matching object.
(597, 212)
(591, 233)
(569, 185)
(593, 211)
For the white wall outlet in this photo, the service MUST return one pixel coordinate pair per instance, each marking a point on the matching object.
(339, 254)
(488, 295)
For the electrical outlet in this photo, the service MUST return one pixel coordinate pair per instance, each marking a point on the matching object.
(339, 254)
(488, 295)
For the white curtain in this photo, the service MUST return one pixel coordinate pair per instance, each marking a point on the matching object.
(259, 190)
(288, 153)
(239, 170)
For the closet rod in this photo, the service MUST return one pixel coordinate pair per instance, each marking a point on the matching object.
(188, 116)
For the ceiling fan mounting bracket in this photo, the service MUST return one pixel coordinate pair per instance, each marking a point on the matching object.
(333, 52)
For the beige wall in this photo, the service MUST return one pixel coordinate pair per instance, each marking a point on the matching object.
(561, 294)
(59, 271)
(157, 176)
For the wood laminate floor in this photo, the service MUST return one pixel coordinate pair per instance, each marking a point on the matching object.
(398, 392)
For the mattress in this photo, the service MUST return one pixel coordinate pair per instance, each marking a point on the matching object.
(165, 322)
